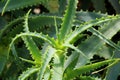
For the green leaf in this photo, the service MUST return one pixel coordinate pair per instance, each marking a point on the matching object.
(58, 66)
(114, 71)
(19, 4)
(3, 57)
(47, 74)
(100, 6)
(87, 25)
(101, 36)
(38, 35)
(108, 50)
(3, 22)
(87, 68)
(34, 50)
(89, 49)
(53, 8)
(47, 58)
(88, 16)
(36, 22)
(62, 6)
(68, 20)
(87, 78)
(27, 73)
(5, 7)
(116, 5)
(30, 44)
(70, 59)
(76, 49)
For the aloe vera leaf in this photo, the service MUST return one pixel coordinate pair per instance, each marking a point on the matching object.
(62, 6)
(114, 71)
(112, 27)
(101, 36)
(53, 8)
(87, 68)
(38, 35)
(89, 24)
(100, 6)
(88, 16)
(41, 20)
(108, 50)
(30, 44)
(5, 7)
(116, 5)
(34, 22)
(70, 59)
(19, 4)
(47, 58)
(27, 73)
(58, 66)
(3, 57)
(47, 74)
(68, 20)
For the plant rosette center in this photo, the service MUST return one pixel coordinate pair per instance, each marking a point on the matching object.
(60, 46)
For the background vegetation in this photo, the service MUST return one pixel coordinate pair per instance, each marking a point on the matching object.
(59, 39)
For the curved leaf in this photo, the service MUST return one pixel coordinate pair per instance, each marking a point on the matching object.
(27, 73)
(87, 68)
(89, 24)
(92, 44)
(114, 71)
(30, 44)
(47, 58)
(38, 35)
(68, 20)
(13, 4)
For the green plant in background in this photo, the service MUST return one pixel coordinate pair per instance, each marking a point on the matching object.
(60, 47)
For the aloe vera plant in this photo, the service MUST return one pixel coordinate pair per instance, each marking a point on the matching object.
(55, 55)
